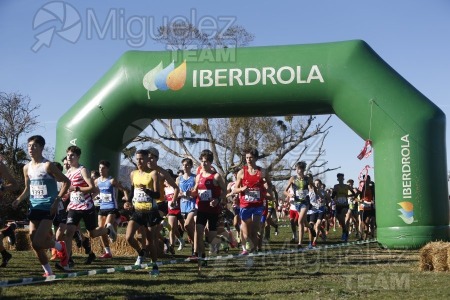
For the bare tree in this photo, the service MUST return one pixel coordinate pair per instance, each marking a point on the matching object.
(17, 118)
(234, 36)
(281, 142)
(181, 35)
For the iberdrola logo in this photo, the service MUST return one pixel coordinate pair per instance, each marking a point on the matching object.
(407, 211)
(163, 79)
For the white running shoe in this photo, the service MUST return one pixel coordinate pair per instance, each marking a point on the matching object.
(181, 246)
(139, 261)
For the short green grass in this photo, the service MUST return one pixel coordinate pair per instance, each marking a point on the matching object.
(353, 272)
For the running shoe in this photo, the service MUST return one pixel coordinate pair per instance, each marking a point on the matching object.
(47, 274)
(193, 258)
(181, 246)
(106, 256)
(299, 246)
(112, 233)
(247, 245)
(172, 250)
(314, 244)
(155, 271)
(62, 255)
(310, 246)
(91, 257)
(139, 261)
(244, 252)
(276, 230)
(5, 259)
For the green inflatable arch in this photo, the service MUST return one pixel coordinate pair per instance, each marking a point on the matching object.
(344, 78)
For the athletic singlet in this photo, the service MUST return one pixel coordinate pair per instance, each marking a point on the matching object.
(207, 191)
(300, 188)
(321, 197)
(43, 188)
(141, 201)
(187, 203)
(79, 200)
(169, 192)
(107, 194)
(233, 197)
(341, 195)
(313, 200)
(367, 197)
(254, 196)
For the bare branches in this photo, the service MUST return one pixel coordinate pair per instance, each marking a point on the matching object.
(17, 117)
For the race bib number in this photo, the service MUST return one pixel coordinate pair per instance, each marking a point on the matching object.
(301, 194)
(141, 200)
(205, 195)
(38, 191)
(252, 195)
(185, 199)
(77, 197)
(105, 197)
(342, 201)
(140, 196)
(365, 205)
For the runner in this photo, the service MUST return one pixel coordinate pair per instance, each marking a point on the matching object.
(81, 205)
(367, 207)
(341, 192)
(234, 200)
(59, 222)
(353, 207)
(163, 209)
(145, 185)
(41, 188)
(322, 199)
(250, 184)
(271, 219)
(186, 182)
(297, 191)
(211, 191)
(173, 217)
(107, 187)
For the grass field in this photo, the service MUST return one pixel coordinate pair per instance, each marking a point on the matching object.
(350, 272)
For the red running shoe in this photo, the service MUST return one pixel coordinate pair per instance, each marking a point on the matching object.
(63, 256)
(106, 255)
